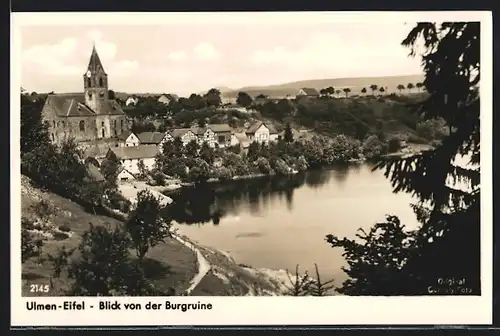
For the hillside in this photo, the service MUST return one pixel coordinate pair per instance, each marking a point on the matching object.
(171, 264)
(355, 84)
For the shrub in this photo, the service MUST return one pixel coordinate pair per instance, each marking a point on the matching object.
(280, 167)
(64, 228)
(60, 235)
(301, 163)
(394, 145)
(223, 173)
(263, 165)
(373, 148)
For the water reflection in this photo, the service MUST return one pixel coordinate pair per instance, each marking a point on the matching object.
(211, 202)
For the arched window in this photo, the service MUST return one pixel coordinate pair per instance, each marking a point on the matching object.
(82, 126)
(101, 84)
(103, 133)
(53, 137)
(54, 123)
(89, 83)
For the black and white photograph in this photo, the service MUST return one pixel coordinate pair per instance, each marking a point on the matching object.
(261, 156)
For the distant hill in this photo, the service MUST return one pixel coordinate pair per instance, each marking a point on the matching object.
(355, 84)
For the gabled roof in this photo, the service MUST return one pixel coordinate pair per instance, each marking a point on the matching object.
(94, 173)
(179, 132)
(73, 105)
(151, 137)
(124, 135)
(135, 152)
(310, 91)
(94, 62)
(96, 152)
(219, 128)
(252, 129)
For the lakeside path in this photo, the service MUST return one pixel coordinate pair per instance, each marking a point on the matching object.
(130, 190)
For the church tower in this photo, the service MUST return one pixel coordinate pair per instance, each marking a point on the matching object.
(95, 83)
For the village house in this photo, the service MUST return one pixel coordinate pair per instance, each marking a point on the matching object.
(154, 138)
(130, 157)
(125, 175)
(261, 133)
(132, 100)
(128, 139)
(167, 98)
(220, 134)
(307, 92)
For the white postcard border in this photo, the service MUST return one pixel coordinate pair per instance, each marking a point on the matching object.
(261, 310)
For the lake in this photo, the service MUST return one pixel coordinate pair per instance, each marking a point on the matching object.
(279, 222)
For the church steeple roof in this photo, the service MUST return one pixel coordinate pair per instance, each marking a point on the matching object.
(95, 64)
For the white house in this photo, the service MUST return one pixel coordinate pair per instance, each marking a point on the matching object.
(128, 139)
(261, 133)
(132, 100)
(154, 138)
(125, 175)
(185, 134)
(130, 156)
(234, 140)
(167, 98)
(308, 92)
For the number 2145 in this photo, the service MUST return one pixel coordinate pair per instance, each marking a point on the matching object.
(39, 288)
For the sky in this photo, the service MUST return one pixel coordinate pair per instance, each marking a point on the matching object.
(197, 53)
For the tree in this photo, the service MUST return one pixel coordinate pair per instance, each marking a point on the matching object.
(288, 136)
(330, 90)
(110, 167)
(373, 87)
(382, 90)
(103, 266)
(207, 153)
(213, 97)
(244, 99)
(394, 145)
(346, 91)
(323, 92)
(447, 244)
(34, 132)
(142, 169)
(199, 172)
(146, 224)
(192, 148)
(363, 90)
(400, 87)
(337, 92)
(419, 86)
(410, 86)
(253, 151)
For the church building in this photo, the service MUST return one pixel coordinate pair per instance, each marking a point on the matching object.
(89, 117)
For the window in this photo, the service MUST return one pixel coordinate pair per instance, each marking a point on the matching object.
(101, 82)
(89, 83)
(90, 95)
(121, 123)
(102, 124)
(222, 139)
(82, 126)
(114, 123)
(54, 122)
(103, 132)
(101, 94)
(53, 137)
